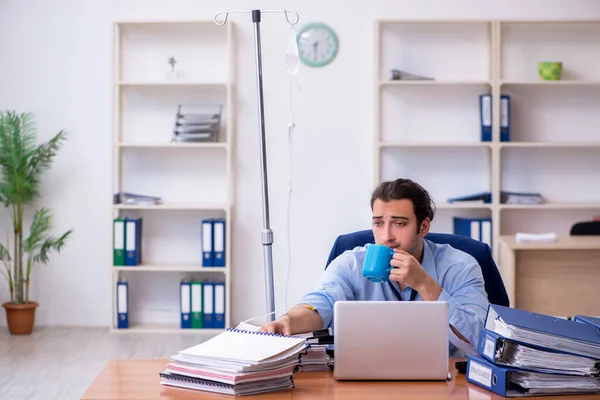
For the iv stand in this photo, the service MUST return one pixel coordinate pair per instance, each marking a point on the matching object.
(267, 233)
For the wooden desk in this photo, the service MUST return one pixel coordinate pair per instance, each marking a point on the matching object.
(560, 278)
(139, 380)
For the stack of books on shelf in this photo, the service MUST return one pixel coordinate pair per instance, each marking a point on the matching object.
(237, 362)
(523, 353)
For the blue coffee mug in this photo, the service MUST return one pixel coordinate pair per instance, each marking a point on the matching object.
(377, 263)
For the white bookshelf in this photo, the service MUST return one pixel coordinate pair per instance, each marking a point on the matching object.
(168, 328)
(194, 179)
(429, 131)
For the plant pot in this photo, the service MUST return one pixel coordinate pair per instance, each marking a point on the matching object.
(20, 317)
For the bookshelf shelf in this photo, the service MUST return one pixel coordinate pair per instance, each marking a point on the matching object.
(560, 83)
(434, 144)
(175, 145)
(171, 268)
(149, 84)
(433, 83)
(183, 207)
(160, 67)
(466, 205)
(565, 145)
(430, 130)
(552, 206)
(166, 328)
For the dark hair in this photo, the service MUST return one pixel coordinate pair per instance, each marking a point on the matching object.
(406, 189)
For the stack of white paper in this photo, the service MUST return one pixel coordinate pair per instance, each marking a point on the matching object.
(543, 339)
(237, 362)
(521, 356)
(523, 237)
(540, 383)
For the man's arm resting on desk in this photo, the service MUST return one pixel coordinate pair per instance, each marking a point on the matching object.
(302, 318)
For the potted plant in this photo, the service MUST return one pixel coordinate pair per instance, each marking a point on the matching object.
(22, 163)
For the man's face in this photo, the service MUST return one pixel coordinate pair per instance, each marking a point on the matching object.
(395, 225)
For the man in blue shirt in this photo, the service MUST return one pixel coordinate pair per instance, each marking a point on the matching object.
(423, 271)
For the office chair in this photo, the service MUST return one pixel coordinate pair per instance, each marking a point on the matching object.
(480, 251)
(586, 228)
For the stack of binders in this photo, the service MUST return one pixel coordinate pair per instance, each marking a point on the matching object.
(485, 117)
(476, 228)
(127, 241)
(237, 362)
(523, 353)
(202, 305)
(213, 243)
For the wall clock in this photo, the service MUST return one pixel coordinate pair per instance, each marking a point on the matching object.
(317, 44)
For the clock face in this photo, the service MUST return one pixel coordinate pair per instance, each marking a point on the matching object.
(317, 45)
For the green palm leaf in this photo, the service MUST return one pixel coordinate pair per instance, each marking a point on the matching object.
(22, 164)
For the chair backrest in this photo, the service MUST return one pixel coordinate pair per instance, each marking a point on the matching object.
(480, 251)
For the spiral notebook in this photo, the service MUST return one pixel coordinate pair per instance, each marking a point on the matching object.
(282, 383)
(235, 346)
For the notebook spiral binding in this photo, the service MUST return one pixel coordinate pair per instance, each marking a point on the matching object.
(181, 378)
(260, 333)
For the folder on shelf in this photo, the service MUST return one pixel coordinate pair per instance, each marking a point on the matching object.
(133, 241)
(118, 241)
(208, 309)
(219, 305)
(207, 243)
(219, 243)
(475, 198)
(185, 295)
(504, 118)
(507, 197)
(476, 228)
(485, 117)
(511, 353)
(512, 382)
(122, 305)
(197, 307)
(544, 331)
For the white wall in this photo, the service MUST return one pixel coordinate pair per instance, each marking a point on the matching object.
(55, 61)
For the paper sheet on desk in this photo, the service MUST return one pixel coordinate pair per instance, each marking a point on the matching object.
(522, 237)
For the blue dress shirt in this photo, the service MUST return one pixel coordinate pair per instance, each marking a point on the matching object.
(457, 272)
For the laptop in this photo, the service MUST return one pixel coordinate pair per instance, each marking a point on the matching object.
(391, 340)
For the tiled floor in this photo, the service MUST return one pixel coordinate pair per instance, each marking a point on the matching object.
(60, 362)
